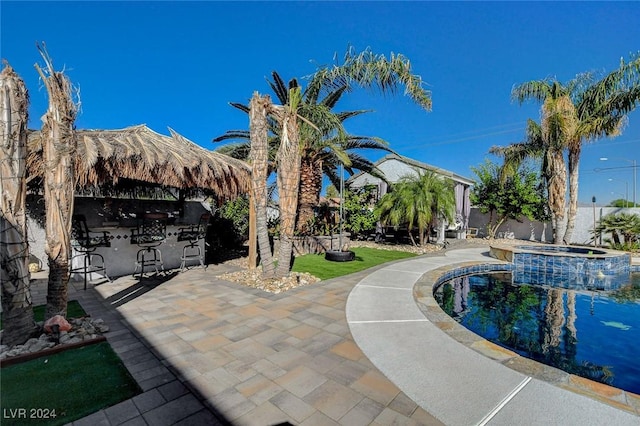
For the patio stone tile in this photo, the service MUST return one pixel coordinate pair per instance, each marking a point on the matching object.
(268, 369)
(287, 343)
(99, 418)
(284, 324)
(173, 411)
(232, 403)
(241, 370)
(172, 390)
(390, 417)
(136, 421)
(377, 387)
(325, 362)
(264, 414)
(301, 381)
(156, 381)
(152, 362)
(238, 333)
(248, 350)
(287, 357)
(340, 328)
(201, 418)
(318, 419)
(210, 343)
(136, 355)
(347, 372)
(122, 412)
(333, 399)
(303, 331)
(348, 349)
(175, 347)
(363, 413)
(155, 370)
(270, 336)
(148, 400)
(259, 389)
(403, 405)
(293, 406)
(221, 377)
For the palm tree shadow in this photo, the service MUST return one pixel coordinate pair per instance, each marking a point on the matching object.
(144, 285)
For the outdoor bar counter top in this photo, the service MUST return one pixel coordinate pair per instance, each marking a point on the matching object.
(121, 256)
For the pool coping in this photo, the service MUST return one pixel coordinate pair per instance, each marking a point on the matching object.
(423, 294)
(455, 375)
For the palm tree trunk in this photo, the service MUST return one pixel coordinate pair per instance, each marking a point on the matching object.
(17, 312)
(574, 161)
(557, 188)
(259, 170)
(58, 139)
(288, 185)
(310, 188)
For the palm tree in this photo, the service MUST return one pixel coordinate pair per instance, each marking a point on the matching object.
(580, 110)
(325, 146)
(17, 312)
(558, 125)
(418, 200)
(601, 110)
(288, 161)
(259, 108)
(58, 134)
(553, 171)
(366, 70)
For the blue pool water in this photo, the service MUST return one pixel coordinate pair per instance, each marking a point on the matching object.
(590, 333)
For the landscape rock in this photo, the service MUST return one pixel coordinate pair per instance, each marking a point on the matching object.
(57, 320)
(80, 329)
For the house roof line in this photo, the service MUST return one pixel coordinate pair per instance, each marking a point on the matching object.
(454, 176)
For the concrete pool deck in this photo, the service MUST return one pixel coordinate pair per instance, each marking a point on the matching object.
(354, 350)
(456, 376)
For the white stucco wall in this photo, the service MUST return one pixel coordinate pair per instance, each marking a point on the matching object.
(581, 235)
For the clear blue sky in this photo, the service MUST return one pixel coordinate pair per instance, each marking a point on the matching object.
(178, 64)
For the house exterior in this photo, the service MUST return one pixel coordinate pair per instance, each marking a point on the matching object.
(394, 167)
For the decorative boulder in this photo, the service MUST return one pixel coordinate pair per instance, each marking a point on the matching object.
(57, 320)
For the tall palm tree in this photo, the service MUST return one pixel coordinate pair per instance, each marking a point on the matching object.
(558, 125)
(58, 133)
(366, 70)
(258, 155)
(553, 170)
(288, 161)
(17, 312)
(601, 109)
(582, 110)
(325, 146)
(418, 200)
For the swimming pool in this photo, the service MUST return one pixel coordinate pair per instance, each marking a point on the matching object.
(592, 333)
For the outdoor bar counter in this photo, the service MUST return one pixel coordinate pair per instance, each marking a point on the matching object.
(120, 258)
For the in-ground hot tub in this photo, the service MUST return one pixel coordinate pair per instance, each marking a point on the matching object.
(570, 266)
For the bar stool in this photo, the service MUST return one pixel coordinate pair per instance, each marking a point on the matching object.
(85, 242)
(193, 234)
(149, 234)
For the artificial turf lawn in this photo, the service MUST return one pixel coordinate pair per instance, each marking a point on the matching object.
(74, 383)
(318, 266)
(74, 310)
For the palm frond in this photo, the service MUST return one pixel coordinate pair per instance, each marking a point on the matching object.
(279, 88)
(233, 135)
(372, 71)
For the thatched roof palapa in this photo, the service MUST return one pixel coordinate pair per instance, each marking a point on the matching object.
(139, 153)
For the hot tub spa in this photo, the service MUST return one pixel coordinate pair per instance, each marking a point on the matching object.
(570, 266)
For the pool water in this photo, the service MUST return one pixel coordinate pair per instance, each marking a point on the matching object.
(593, 334)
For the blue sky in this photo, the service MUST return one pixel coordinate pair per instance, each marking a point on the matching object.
(178, 64)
